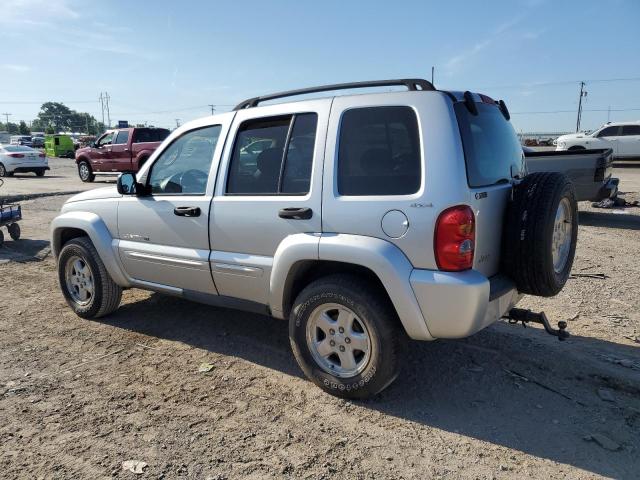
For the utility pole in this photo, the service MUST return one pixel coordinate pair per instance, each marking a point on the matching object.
(582, 94)
(609, 114)
(6, 115)
(177, 122)
(433, 69)
(213, 109)
(101, 98)
(108, 113)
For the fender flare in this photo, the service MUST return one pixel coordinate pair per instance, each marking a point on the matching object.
(82, 158)
(97, 231)
(383, 258)
(142, 155)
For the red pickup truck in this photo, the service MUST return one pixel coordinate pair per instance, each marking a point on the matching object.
(125, 149)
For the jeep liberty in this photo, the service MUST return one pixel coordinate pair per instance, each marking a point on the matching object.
(364, 220)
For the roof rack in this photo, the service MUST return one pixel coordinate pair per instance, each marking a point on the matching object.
(413, 84)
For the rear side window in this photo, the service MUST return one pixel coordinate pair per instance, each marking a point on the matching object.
(273, 156)
(608, 132)
(379, 152)
(491, 146)
(142, 135)
(631, 130)
(122, 137)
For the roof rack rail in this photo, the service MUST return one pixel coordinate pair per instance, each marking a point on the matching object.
(412, 84)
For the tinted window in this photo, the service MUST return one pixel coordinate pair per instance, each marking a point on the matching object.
(491, 146)
(379, 152)
(183, 167)
(141, 135)
(299, 161)
(258, 156)
(122, 137)
(631, 130)
(608, 132)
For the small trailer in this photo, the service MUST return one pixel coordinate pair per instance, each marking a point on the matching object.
(10, 215)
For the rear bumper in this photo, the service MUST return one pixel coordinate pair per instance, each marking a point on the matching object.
(458, 304)
(26, 168)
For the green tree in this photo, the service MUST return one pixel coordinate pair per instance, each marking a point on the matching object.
(23, 128)
(62, 118)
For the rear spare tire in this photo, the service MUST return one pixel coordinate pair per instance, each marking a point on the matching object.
(540, 233)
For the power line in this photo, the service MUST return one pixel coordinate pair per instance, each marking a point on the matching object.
(573, 111)
(12, 102)
(562, 82)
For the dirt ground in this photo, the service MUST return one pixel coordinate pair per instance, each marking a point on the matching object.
(78, 398)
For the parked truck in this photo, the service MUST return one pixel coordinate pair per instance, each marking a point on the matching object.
(121, 150)
(590, 171)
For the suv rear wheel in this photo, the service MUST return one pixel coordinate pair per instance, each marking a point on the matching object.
(345, 336)
(85, 282)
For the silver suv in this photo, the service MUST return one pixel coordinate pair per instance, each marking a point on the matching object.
(362, 219)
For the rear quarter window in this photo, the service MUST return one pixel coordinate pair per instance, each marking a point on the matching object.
(379, 152)
(491, 147)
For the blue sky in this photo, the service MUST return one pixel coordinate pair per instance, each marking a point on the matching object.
(163, 60)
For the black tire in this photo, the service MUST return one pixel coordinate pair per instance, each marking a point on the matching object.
(1, 238)
(529, 229)
(372, 306)
(141, 162)
(40, 173)
(85, 175)
(14, 231)
(3, 171)
(577, 147)
(106, 293)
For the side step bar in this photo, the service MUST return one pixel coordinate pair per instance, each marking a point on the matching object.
(517, 315)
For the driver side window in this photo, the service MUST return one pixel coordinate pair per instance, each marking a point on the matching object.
(183, 167)
(106, 140)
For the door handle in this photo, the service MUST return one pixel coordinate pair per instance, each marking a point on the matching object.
(187, 211)
(296, 213)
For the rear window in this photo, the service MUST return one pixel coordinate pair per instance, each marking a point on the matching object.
(142, 135)
(379, 152)
(16, 148)
(491, 146)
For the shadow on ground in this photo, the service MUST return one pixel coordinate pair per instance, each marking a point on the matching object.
(610, 220)
(24, 250)
(518, 391)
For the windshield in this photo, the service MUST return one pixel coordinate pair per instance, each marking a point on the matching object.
(491, 146)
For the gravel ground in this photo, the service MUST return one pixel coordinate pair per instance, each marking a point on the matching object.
(78, 398)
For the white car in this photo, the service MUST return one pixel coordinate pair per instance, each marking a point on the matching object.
(622, 137)
(18, 158)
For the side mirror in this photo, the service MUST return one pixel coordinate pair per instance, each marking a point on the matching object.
(127, 184)
(94, 145)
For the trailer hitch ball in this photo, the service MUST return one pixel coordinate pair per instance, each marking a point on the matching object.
(516, 315)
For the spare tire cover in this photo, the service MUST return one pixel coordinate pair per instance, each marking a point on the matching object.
(540, 233)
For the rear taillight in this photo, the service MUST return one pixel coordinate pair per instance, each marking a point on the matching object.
(454, 239)
(16, 155)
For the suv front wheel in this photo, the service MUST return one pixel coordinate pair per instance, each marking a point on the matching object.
(345, 336)
(86, 285)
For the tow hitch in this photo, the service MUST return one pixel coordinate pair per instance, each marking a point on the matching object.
(516, 315)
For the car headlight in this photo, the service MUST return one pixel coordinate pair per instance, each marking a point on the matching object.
(561, 144)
